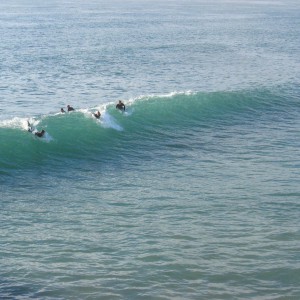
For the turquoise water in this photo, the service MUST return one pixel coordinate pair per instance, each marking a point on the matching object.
(192, 193)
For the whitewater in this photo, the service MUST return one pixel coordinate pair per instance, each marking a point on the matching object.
(191, 193)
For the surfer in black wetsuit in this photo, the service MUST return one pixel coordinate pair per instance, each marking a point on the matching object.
(40, 133)
(97, 115)
(62, 110)
(120, 105)
(70, 108)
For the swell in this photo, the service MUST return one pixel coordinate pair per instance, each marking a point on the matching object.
(149, 122)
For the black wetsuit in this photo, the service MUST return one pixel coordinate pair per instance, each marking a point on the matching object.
(120, 106)
(40, 134)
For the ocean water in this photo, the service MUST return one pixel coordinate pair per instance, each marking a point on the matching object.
(193, 192)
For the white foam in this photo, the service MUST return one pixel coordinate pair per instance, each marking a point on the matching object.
(18, 123)
(47, 137)
(153, 96)
(128, 112)
(107, 121)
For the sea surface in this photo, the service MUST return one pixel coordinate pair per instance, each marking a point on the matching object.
(193, 192)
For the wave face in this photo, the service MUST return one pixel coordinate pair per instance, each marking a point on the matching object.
(150, 122)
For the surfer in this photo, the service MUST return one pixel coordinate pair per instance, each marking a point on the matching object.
(120, 105)
(70, 108)
(37, 133)
(97, 115)
(62, 110)
(40, 133)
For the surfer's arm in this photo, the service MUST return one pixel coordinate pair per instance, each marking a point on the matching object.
(29, 126)
(30, 129)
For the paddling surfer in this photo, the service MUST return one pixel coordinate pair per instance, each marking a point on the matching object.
(70, 108)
